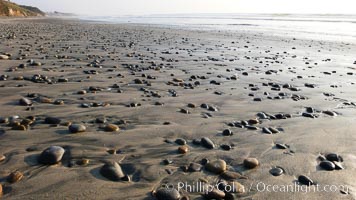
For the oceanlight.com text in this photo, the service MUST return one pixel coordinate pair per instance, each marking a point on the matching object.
(202, 187)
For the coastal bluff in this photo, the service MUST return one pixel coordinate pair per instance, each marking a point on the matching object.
(9, 9)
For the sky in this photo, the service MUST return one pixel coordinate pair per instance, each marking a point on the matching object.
(144, 7)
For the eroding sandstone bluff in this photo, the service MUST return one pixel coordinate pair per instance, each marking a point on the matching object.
(9, 9)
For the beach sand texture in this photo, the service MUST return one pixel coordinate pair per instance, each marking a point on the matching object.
(147, 95)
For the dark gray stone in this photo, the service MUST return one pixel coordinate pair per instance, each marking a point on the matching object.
(52, 120)
(276, 171)
(327, 165)
(76, 128)
(206, 142)
(51, 155)
(167, 194)
(112, 171)
(305, 180)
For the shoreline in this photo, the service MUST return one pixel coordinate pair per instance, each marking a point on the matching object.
(305, 35)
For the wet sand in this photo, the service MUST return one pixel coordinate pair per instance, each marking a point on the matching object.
(288, 102)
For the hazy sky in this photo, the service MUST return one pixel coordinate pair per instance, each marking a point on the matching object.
(138, 7)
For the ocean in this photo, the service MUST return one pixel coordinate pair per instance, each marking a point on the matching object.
(313, 26)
